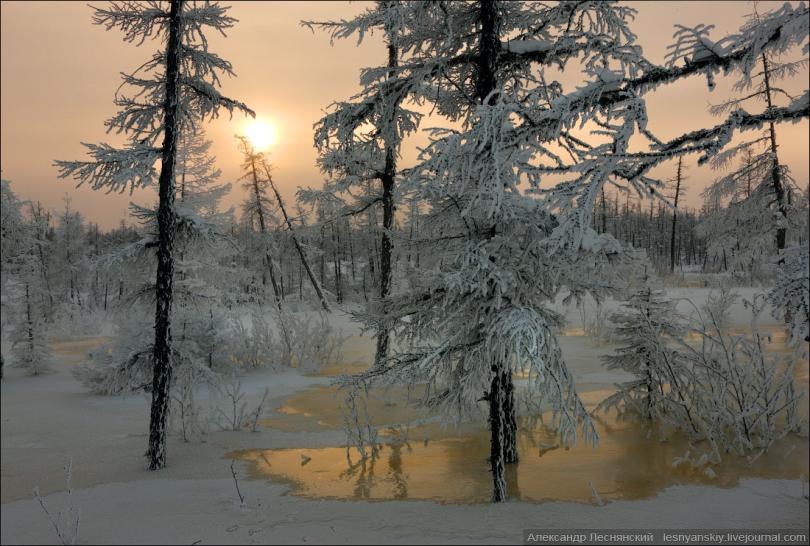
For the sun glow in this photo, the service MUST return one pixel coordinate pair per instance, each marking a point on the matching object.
(261, 134)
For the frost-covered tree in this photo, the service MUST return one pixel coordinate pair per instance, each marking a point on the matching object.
(172, 93)
(201, 329)
(736, 221)
(760, 191)
(646, 331)
(478, 311)
(70, 250)
(29, 343)
(503, 241)
(359, 140)
(24, 305)
(790, 295)
(676, 197)
(256, 208)
(41, 241)
(198, 187)
(12, 227)
(772, 184)
(13, 235)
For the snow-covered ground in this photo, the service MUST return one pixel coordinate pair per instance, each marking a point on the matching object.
(50, 419)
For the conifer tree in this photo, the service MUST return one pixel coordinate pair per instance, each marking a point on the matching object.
(173, 92)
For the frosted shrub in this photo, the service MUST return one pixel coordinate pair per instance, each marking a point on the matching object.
(360, 433)
(745, 399)
(237, 414)
(722, 389)
(66, 521)
(282, 339)
(790, 295)
(29, 343)
(125, 365)
(596, 324)
(70, 320)
(316, 342)
(254, 346)
(186, 414)
(718, 306)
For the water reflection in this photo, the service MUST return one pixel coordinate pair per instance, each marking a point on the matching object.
(450, 466)
(425, 461)
(322, 407)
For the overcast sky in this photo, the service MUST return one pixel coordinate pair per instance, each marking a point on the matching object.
(60, 72)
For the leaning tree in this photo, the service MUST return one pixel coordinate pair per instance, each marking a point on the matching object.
(170, 95)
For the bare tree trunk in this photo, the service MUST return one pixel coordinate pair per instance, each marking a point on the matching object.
(351, 250)
(336, 262)
(268, 257)
(161, 380)
(323, 256)
(675, 215)
(604, 212)
(298, 247)
(776, 172)
(30, 323)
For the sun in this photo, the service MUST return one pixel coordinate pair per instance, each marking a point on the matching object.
(261, 134)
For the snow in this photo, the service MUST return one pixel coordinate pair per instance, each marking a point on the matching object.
(211, 513)
(486, 302)
(194, 497)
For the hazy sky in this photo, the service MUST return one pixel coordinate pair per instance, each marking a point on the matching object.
(60, 72)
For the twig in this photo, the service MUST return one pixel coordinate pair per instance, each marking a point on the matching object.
(258, 411)
(236, 482)
(596, 496)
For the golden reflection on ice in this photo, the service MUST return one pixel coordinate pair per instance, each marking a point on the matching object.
(77, 347)
(451, 467)
(424, 461)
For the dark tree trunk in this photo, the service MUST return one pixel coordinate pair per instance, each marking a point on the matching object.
(336, 262)
(268, 257)
(675, 215)
(387, 179)
(351, 250)
(161, 380)
(510, 449)
(497, 431)
(604, 212)
(776, 171)
(323, 257)
(502, 421)
(30, 324)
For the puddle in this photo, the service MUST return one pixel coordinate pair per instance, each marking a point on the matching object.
(322, 408)
(77, 347)
(451, 467)
(357, 354)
